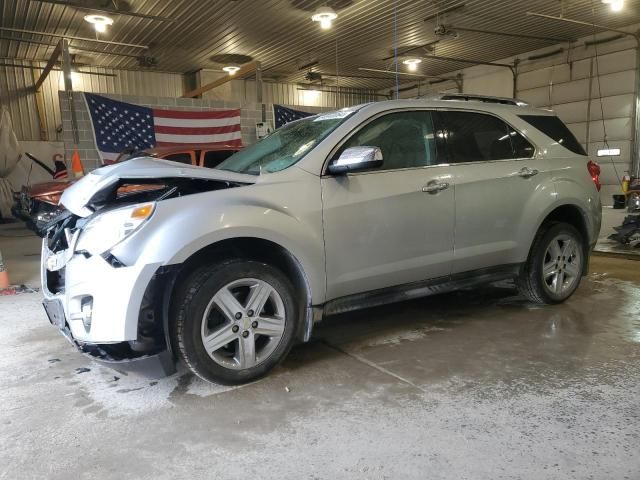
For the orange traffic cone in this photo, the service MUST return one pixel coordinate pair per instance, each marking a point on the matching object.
(4, 276)
(76, 165)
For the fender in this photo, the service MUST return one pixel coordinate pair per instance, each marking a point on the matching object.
(177, 230)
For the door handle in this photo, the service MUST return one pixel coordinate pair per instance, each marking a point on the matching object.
(434, 187)
(527, 172)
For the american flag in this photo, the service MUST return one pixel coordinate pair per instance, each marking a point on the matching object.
(284, 115)
(119, 125)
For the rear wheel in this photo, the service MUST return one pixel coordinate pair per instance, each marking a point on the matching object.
(234, 321)
(633, 202)
(555, 265)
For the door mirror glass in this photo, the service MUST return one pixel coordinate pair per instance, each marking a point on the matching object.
(356, 159)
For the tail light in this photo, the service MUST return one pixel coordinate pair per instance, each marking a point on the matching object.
(594, 171)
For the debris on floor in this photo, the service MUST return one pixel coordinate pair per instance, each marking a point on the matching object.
(16, 289)
(629, 232)
(82, 370)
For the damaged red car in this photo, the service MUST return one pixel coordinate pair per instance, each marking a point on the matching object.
(38, 205)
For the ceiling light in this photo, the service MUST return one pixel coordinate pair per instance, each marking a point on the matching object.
(100, 22)
(412, 63)
(616, 5)
(324, 15)
(231, 69)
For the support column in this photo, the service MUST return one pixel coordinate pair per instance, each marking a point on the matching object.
(68, 89)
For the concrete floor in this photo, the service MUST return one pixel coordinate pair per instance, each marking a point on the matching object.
(472, 385)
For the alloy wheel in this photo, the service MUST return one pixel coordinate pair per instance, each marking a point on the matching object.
(562, 264)
(243, 323)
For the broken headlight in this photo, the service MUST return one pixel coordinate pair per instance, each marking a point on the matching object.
(110, 228)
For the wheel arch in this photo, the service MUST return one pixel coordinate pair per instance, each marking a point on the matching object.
(262, 250)
(571, 214)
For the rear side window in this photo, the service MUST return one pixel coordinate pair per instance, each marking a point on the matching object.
(477, 137)
(553, 128)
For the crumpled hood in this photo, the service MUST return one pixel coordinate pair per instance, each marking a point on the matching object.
(78, 196)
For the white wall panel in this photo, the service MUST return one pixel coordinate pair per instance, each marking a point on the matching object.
(616, 129)
(618, 106)
(574, 112)
(569, 92)
(537, 97)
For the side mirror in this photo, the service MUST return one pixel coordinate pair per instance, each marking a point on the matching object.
(356, 159)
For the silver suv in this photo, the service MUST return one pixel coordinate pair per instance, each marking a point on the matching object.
(226, 269)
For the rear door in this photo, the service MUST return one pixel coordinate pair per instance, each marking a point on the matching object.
(495, 174)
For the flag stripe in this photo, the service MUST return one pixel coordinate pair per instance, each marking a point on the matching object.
(221, 122)
(195, 115)
(231, 143)
(213, 122)
(218, 138)
(180, 130)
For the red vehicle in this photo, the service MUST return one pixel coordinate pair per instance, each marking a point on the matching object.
(38, 204)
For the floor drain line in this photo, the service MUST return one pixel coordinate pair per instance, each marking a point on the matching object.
(376, 366)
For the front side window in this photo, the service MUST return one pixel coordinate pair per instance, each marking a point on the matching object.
(478, 137)
(287, 145)
(406, 139)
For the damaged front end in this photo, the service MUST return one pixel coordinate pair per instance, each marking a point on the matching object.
(113, 310)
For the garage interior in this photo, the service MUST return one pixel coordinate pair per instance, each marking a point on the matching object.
(477, 383)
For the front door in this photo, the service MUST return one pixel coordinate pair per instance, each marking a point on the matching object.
(389, 226)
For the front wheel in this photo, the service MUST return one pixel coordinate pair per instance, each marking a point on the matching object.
(555, 265)
(234, 321)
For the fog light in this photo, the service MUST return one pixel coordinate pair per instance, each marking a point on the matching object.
(85, 313)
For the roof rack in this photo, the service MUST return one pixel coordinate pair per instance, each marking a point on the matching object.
(462, 97)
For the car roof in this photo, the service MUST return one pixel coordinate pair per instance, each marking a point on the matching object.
(473, 103)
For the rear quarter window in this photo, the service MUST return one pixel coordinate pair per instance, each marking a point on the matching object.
(553, 128)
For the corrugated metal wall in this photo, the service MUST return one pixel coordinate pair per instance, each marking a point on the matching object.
(16, 93)
(244, 92)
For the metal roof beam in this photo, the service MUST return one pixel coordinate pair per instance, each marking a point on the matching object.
(71, 37)
(80, 49)
(579, 22)
(112, 11)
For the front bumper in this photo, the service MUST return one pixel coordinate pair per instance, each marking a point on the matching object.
(97, 308)
(101, 303)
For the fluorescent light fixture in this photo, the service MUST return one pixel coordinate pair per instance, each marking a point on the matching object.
(231, 69)
(324, 15)
(412, 63)
(608, 152)
(99, 22)
(616, 5)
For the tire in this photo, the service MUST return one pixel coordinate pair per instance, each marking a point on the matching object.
(204, 311)
(546, 281)
(631, 203)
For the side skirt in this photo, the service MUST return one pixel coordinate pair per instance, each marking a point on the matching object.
(420, 289)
